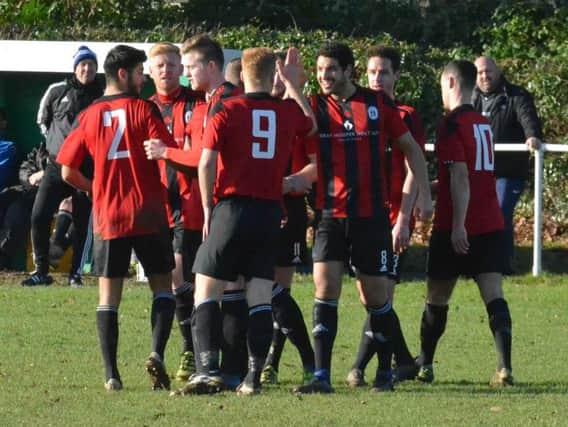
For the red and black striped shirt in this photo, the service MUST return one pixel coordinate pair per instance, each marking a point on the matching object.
(351, 152)
(176, 110)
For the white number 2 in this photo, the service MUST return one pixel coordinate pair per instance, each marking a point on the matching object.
(484, 156)
(269, 134)
(113, 153)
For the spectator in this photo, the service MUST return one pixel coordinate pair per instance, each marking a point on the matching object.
(16, 206)
(58, 109)
(7, 154)
(514, 120)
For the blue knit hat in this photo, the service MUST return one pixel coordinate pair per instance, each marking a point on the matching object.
(84, 53)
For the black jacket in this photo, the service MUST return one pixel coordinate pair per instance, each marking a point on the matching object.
(513, 117)
(59, 107)
(35, 161)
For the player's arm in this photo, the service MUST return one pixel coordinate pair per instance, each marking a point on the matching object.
(302, 180)
(459, 190)
(76, 179)
(525, 110)
(180, 159)
(417, 164)
(289, 75)
(207, 173)
(160, 142)
(71, 156)
(401, 229)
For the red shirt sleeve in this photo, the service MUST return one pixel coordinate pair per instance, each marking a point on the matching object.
(183, 157)
(188, 157)
(394, 125)
(74, 150)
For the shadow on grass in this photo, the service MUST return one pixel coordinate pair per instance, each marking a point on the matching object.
(482, 387)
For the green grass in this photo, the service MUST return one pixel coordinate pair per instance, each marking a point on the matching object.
(51, 371)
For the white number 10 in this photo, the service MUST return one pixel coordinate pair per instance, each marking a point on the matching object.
(269, 134)
(484, 156)
(113, 153)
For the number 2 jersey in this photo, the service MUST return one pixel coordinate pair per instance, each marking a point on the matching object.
(254, 135)
(464, 135)
(128, 196)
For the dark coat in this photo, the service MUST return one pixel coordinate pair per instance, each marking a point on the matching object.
(513, 117)
(60, 106)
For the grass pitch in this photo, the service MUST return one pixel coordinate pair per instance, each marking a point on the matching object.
(51, 370)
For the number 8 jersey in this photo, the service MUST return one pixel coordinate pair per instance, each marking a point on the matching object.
(464, 135)
(128, 197)
(254, 135)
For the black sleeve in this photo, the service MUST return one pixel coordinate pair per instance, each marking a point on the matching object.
(30, 166)
(527, 116)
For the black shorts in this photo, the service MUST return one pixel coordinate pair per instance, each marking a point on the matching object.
(111, 258)
(190, 244)
(242, 240)
(364, 243)
(292, 247)
(486, 255)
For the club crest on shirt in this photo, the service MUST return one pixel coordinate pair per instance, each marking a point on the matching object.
(187, 116)
(348, 125)
(373, 112)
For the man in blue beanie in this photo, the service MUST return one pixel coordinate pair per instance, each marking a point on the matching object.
(58, 109)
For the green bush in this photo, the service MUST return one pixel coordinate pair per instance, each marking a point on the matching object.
(527, 38)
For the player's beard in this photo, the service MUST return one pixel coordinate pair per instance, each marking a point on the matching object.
(131, 87)
(338, 87)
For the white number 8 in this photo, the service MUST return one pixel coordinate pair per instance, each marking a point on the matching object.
(268, 134)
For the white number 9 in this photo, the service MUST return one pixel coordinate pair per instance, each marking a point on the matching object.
(269, 134)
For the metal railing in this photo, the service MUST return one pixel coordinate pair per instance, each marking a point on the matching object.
(538, 185)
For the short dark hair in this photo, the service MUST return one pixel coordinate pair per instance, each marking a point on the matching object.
(338, 51)
(464, 71)
(233, 71)
(209, 49)
(122, 56)
(385, 52)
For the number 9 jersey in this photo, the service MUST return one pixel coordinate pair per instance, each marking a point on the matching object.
(128, 197)
(464, 135)
(254, 135)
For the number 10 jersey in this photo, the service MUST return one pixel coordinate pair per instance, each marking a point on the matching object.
(464, 135)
